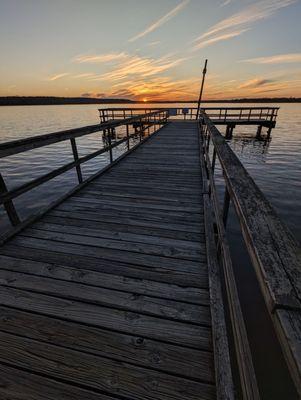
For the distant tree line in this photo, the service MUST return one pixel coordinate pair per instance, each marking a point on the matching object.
(51, 100)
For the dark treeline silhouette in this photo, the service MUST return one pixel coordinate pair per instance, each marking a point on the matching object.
(51, 100)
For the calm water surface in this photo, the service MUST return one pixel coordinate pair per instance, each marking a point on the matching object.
(275, 167)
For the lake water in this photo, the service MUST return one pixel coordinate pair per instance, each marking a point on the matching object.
(275, 167)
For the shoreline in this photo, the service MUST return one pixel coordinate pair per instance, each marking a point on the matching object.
(48, 101)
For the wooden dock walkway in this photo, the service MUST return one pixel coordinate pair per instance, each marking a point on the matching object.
(108, 292)
(116, 292)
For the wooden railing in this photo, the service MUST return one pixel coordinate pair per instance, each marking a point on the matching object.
(226, 114)
(242, 113)
(273, 251)
(134, 127)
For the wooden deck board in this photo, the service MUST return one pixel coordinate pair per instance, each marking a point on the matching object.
(107, 294)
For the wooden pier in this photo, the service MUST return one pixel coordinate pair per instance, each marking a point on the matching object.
(124, 288)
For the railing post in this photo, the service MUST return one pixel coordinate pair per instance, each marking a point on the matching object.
(110, 144)
(75, 156)
(213, 160)
(226, 206)
(140, 128)
(9, 205)
(127, 136)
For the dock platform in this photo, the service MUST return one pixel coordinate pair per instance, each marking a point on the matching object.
(115, 291)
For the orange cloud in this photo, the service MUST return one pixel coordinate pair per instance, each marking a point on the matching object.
(56, 77)
(141, 67)
(160, 88)
(100, 58)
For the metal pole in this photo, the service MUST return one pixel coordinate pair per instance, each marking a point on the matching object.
(201, 91)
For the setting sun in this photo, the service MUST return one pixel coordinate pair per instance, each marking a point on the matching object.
(145, 100)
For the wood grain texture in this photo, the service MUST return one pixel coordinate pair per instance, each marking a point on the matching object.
(84, 369)
(109, 290)
(137, 350)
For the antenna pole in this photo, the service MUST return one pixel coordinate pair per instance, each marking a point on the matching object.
(201, 91)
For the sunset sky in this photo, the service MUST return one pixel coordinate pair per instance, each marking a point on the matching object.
(150, 49)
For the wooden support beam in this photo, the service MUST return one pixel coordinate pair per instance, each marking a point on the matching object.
(258, 133)
(9, 205)
(75, 155)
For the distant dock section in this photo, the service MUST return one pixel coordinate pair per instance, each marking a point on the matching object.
(262, 117)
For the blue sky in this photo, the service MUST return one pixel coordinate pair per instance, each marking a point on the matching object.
(150, 49)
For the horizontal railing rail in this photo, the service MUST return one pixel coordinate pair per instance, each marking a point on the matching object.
(216, 113)
(274, 253)
(134, 127)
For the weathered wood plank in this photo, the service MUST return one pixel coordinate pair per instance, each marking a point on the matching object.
(169, 309)
(61, 242)
(63, 225)
(88, 198)
(132, 210)
(106, 280)
(288, 329)
(136, 350)
(103, 374)
(86, 237)
(62, 255)
(132, 221)
(151, 194)
(16, 384)
(223, 370)
(86, 220)
(194, 336)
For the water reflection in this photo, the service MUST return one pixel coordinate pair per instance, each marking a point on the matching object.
(250, 148)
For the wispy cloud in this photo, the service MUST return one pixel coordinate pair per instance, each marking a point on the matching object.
(84, 75)
(278, 59)
(254, 83)
(224, 36)
(161, 21)
(141, 67)
(58, 76)
(253, 13)
(99, 58)
(241, 21)
(151, 44)
(225, 3)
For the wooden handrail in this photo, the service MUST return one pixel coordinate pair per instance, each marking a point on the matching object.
(21, 145)
(140, 124)
(273, 251)
(246, 370)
